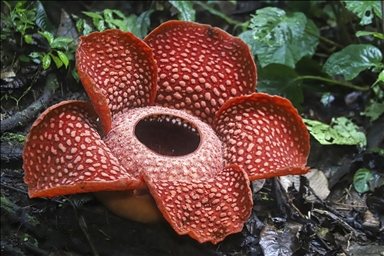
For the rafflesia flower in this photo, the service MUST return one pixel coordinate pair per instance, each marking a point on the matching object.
(175, 128)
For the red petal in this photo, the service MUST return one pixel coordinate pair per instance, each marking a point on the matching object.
(264, 135)
(64, 154)
(208, 209)
(117, 70)
(200, 67)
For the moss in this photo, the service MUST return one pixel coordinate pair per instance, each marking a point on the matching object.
(10, 138)
(10, 207)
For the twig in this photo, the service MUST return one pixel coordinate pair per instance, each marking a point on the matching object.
(339, 220)
(330, 81)
(22, 117)
(83, 227)
(13, 188)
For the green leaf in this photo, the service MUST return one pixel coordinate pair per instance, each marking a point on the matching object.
(57, 61)
(369, 33)
(87, 29)
(117, 24)
(340, 132)
(360, 180)
(185, 8)
(28, 39)
(42, 21)
(108, 14)
(24, 58)
(373, 110)
(79, 24)
(64, 40)
(61, 43)
(273, 26)
(247, 37)
(288, 54)
(353, 59)
(142, 24)
(364, 10)
(63, 58)
(93, 15)
(379, 79)
(35, 55)
(8, 5)
(119, 13)
(99, 24)
(277, 79)
(376, 181)
(216, 12)
(131, 23)
(48, 36)
(46, 61)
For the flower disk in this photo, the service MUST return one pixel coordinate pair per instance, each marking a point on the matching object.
(138, 157)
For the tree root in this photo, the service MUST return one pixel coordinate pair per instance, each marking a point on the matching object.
(26, 115)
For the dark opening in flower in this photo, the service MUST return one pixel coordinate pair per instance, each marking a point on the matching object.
(168, 135)
(195, 151)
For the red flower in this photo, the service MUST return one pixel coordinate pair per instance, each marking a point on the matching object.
(207, 135)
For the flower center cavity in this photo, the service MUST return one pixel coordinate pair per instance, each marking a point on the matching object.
(168, 135)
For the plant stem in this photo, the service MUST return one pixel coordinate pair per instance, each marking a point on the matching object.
(330, 81)
(324, 39)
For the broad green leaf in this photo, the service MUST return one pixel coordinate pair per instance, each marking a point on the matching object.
(213, 11)
(57, 61)
(35, 55)
(353, 59)
(63, 58)
(273, 26)
(327, 98)
(280, 80)
(340, 132)
(8, 5)
(365, 10)
(377, 180)
(28, 39)
(61, 43)
(108, 15)
(48, 36)
(79, 25)
(369, 33)
(373, 110)
(185, 8)
(113, 23)
(93, 15)
(130, 23)
(66, 40)
(119, 13)
(85, 28)
(360, 180)
(380, 78)
(247, 37)
(42, 21)
(46, 61)
(288, 54)
(24, 58)
(99, 24)
(142, 24)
